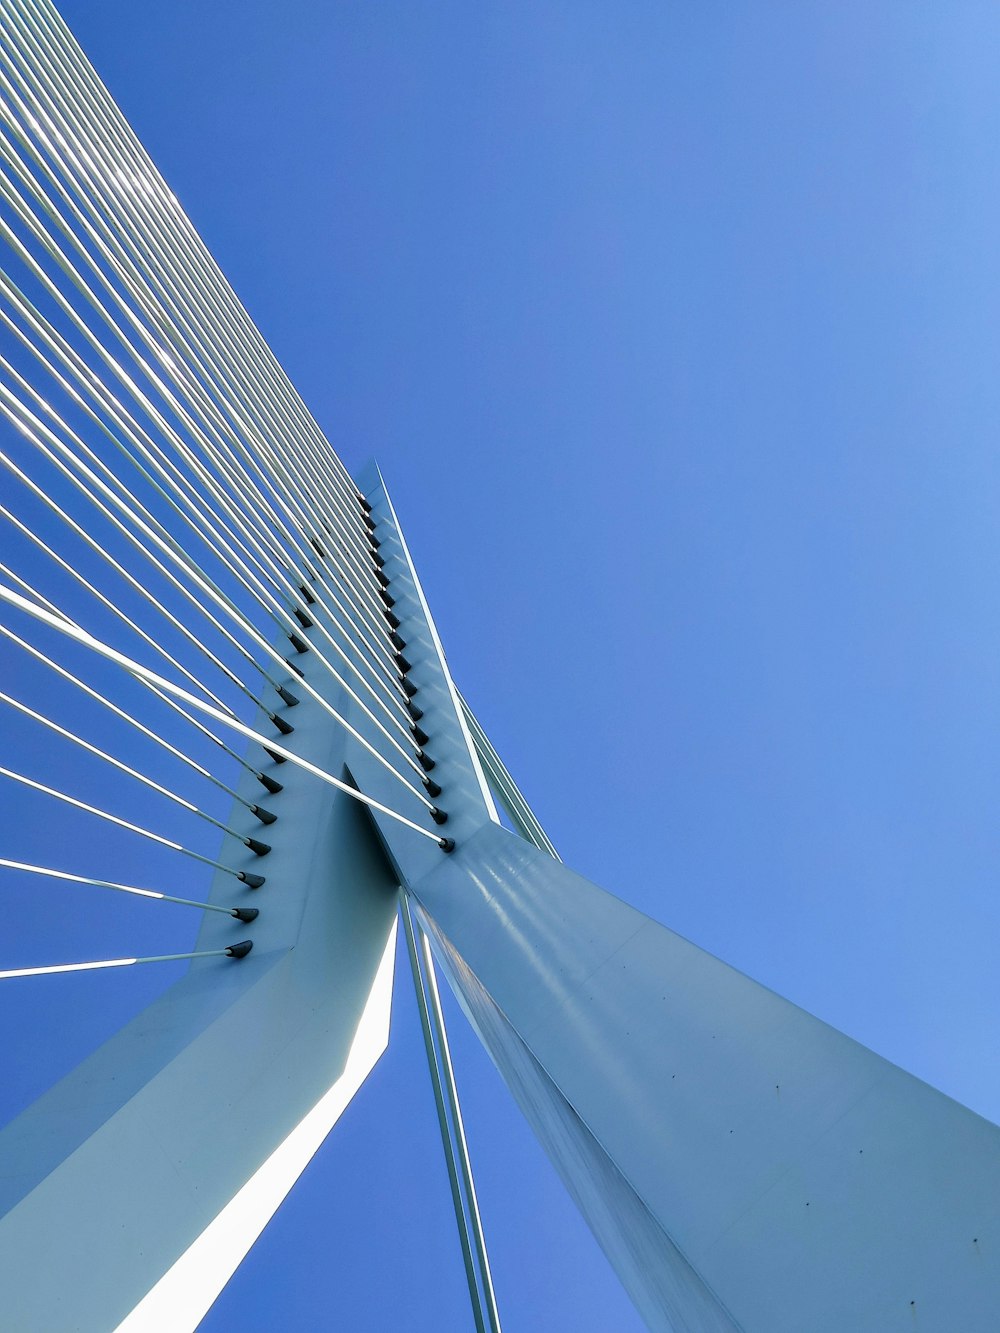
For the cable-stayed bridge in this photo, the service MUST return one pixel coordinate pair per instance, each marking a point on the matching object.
(230, 629)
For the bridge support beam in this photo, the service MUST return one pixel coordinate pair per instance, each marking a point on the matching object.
(744, 1165)
(132, 1189)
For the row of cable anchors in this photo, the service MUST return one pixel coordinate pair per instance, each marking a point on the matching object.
(404, 667)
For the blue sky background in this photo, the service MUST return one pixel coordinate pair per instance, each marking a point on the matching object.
(674, 329)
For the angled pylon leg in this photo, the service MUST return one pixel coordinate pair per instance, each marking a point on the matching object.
(744, 1165)
(131, 1191)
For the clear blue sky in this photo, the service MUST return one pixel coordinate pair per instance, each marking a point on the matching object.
(675, 330)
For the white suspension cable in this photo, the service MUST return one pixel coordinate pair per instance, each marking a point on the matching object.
(114, 129)
(234, 951)
(35, 430)
(141, 202)
(107, 603)
(245, 914)
(145, 521)
(127, 716)
(421, 796)
(136, 584)
(269, 783)
(127, 769)
(221, 542)
(242, 433)
(135, 668)
(29, 219)
(128, 504)
(58, 795)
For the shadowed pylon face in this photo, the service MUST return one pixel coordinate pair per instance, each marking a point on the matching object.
(261, 1056)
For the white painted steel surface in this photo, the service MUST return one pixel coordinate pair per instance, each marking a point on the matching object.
(743, 1164)
(192, 1123)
